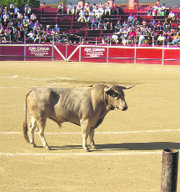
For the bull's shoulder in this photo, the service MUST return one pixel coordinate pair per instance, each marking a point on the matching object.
(97, 92)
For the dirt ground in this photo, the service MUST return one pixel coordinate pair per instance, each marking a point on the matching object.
(129, 144)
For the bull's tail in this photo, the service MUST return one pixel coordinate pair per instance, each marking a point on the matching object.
(25, 126)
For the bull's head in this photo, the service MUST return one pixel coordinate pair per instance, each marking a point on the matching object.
(116, 97)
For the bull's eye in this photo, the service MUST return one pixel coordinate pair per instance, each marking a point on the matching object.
(115, 95)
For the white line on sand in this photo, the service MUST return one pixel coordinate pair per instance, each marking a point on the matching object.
(99, 133)
(80, 154)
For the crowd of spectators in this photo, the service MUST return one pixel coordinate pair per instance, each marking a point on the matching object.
(145, 33)
(22, 25)
(19, 26)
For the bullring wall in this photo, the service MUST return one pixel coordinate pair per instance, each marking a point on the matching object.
(91, 53)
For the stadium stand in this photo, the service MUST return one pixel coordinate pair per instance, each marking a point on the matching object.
(144, 26)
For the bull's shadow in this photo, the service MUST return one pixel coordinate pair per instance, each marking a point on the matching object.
(124, 146)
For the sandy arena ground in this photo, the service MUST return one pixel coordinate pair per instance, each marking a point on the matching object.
(129, 144)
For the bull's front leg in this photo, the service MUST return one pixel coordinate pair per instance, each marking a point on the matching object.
(92, 143)
(85, 132)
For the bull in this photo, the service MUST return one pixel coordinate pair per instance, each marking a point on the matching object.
(85, 106)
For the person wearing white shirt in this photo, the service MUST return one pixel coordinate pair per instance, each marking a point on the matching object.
(108, 9)
(82, 17)
(87, 8)
(78, 9)
(70, 9)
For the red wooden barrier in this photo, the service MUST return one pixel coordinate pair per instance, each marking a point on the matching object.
(91, 53)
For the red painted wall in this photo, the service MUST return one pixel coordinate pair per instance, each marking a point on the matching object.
(89, 53)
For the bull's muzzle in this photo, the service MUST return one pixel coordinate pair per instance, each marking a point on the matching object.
(124, 108)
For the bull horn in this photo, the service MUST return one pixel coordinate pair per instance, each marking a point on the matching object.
(106, 89)
(129, 87)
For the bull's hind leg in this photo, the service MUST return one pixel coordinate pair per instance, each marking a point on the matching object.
(42, 123)
(32, 127)
(92, 143)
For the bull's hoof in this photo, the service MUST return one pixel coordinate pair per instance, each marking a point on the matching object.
(86, 149)
(46, 147)
(93, 147)
(33, 145)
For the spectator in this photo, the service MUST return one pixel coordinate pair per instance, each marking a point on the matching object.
(123, 35)
(82, 17)
(14, 35)
(106, 39)
(27, 10)
(61, 8)
(37, 39)
(166, 26)
(117, 26)
(78, 9)
(1, 34)
(26, 21)
(99, 13)
(171, 16)
(91, 15)
(107, 9)
(48, 29)
(130, 20)
(125, 25)
(153, 24)
(6, 38)
(160, 39)
(101, 9)
(70, 9)
(163, 9)
(19, 16)
(149, 12)
(33, 18)
(94, 7)
(56, 28)
(101, 24)
(5, 15)
(19, 24)
(11, 10)
(141, 38)
(16, 10)
(108, 24)
(132, 37)
(176, 39)
(36, 25)
(87, 9)
(114, 39)
(158, 26)
(31, 36)
(154, 10)
(159, 10)
(115, 9)
(94, 23)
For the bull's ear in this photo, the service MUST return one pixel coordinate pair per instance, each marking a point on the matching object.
(107, 89)
(128, 87)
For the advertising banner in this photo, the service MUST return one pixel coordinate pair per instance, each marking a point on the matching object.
(94, 54)
(39, 51)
